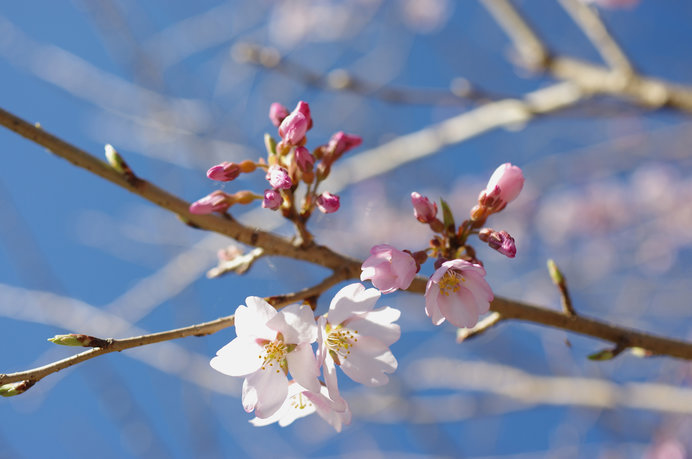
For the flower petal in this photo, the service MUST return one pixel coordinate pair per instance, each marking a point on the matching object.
(252, 320)
(432, 308)
(238, 358)
(369, 361)
(295, 406)
(332, 386)
(378, 323)
(459, 308)
(265, 392)
(297, 323)
(303, 367)
(354, 298)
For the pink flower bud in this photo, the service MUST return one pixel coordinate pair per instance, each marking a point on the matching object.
(278, 178)
(277, 113)
(389, 269)
(224, 172)
(502, 188)
(217, 201)
(424, 210)
(340, 143)
(293, 128)
(304, 159)
(272, 199)
(328, 202)
(499, 240)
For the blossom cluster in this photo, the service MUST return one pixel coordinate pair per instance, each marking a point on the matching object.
(272, 344)
(287, 164)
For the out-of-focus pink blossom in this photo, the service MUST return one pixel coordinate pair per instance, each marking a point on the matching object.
(217, 201)
(272, 199)
(357, 337)
(277, 113)
(224, 172)
(304, 159)
(458, 292)
(424, 210)
(328, 202)
(499, 240)
(389, 269)
(301, 402)
(281, 340)
(278, 178)
(293, 128)
(340, 143)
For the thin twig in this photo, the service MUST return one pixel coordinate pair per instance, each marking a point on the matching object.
(464, 334)
(586, 17)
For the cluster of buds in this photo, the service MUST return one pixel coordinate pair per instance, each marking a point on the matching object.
(271, 345)
(288, 163)
(457, 291)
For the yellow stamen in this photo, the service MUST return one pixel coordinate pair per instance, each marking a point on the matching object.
(450, 282)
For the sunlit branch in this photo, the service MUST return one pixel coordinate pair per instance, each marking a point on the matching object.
(586, 17)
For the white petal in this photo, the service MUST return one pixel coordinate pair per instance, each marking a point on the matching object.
(332, 385)
(240, 357)
(267, 389)
(354, 298)
(369, 362)
(291, 409)
(252, 320)
(324, 407)
(303, 367)
(321, 339)
(378, 323)
(297, 323)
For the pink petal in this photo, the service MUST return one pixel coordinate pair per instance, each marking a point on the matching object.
(432, 308)
(353, 298)
(332, 385)
(459, 308)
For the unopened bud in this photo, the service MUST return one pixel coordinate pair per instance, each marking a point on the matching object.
(279, 178)
(217, 201)
(270, 144)
(16, 388)
(328, 202)
(424, 210)
(277, 113)
(272, 200)
(117, 162)
(224, 172)
(499, 240)
(555, 273)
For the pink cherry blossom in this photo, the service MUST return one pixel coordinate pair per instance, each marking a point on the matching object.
(268, 345)
(458, 292)
(224, 172)
(389, 269)
(424, 210)
(278, 178)
(272, 200)
(277, 113)
(217, 201)
(328, 202)
(301, 402)
(357, 337)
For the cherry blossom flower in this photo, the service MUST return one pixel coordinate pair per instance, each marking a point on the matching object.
(458, 292)
(277, 113)
(328, 202)
(357, 337)
(224, 172)
(217, 201)
(278, 178)
(301, 403)
(424, 210)
(272, 199)
(389, 269)
(268, 345)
